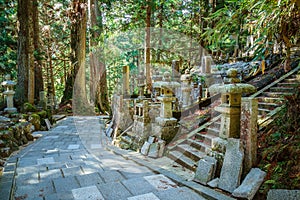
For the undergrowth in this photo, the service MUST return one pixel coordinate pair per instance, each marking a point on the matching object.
(279, 148)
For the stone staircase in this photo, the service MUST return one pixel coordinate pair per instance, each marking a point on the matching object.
(189, 150)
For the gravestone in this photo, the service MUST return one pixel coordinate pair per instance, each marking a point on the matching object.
(232, 166)
(153, 150)
(145, 148)
(250, 185)
(206, 169)
(48, 124)
(213, 183)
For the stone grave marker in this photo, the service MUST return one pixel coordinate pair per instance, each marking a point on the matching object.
(205, 170)
(232, 166)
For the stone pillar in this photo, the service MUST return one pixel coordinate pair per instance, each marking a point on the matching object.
(175, 70)
(249, 112)
(9, 93)
(141, 84)
(126, 81)
(186, 89)
(42, 102)
(206, 64)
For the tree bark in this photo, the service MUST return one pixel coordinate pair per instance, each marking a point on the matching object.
(38, 74)
(78, 17)
(147, 46)
(22, 55)
(98, 82)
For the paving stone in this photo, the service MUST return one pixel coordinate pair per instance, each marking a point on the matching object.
(51, 137)
(111, 176)
(34, 190)
(96, 146)
(251, 184)
(73, 146)
(26, 162)
(160, 182)
(87, 193)
(48, 160)
(135, 171)
(28, 178)
(138, 186)
(89, 179)
(65, 184)
(119, 191)
(5, 187)
(72, 171)
(60, 196)
(147, 196)
(178, 193)
(232, 166)
(50, 174)
(280, 194)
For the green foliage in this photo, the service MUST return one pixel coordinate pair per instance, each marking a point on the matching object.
(8, 41)
(27, 107)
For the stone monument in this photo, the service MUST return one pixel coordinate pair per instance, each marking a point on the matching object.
(230, 106)
(186, 89)
(9, 93)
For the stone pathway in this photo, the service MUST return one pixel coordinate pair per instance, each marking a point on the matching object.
(70, 162)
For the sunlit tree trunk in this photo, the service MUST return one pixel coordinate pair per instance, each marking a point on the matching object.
(98, 82)
(147, 46)
(78, 19)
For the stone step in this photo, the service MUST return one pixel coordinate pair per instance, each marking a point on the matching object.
(198, 144)
(291, 80)
(289, 84)
(266, 105)
(270, 100)
(204, 137)
(263, 112)
(215, 125)
(190, 152)
(276, 94)
(183, 160)
(282, 89)
(214, 132)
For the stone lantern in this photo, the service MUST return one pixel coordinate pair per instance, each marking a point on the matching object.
(230, 106)
(166, 125)
(9, 93)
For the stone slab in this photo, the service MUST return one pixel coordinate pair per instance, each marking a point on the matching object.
(48, 124)
(280, 194)
(34, 190)
(47, 160)
(52, 137)
(65, 184)
(89, 179)
(73, 146)
(111, 176)
(47, 175)
(145, 148)
(113, 191)
(205, 170)
(160, 182)
(153, 150)
(96, 146)
(147, 196)
(178, 193)
(251, 184)
(232, 166)
(213, 183)
(72, 171)
(138, 186)
(87, 193)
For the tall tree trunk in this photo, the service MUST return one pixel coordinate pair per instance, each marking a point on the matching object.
(78, 18)
(22, 56)
(38, 74)
(147, 46)
(98, 83)
(30, 54)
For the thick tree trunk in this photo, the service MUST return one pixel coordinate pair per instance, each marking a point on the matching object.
(147, 46)
(98, 82)
(77, 57)
(38, 74)
(22, 56)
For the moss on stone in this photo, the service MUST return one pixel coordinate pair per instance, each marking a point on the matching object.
(29, 107)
